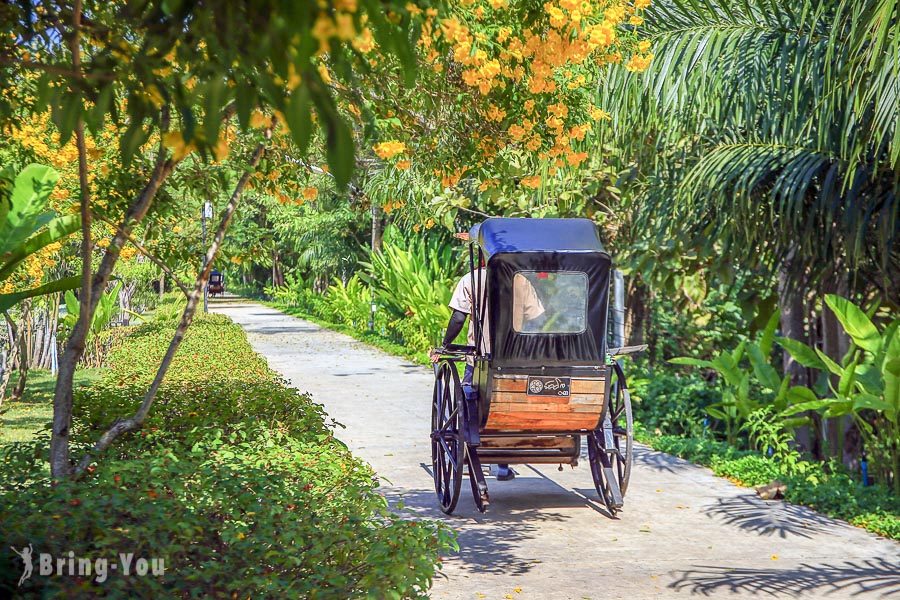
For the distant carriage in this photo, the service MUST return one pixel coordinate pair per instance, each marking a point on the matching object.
(216, 285)
(547, 383)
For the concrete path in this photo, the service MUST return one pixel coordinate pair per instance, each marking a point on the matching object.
(683, 532)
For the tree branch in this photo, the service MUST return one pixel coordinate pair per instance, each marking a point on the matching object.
(137, 420)
(156, 261)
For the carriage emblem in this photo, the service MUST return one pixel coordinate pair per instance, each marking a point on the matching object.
(548, 386)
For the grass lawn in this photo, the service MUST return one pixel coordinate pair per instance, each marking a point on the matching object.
(19, 421)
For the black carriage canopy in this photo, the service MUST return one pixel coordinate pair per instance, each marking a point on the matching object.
(547, 291)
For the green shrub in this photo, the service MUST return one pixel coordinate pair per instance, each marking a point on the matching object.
(414, 281)
(235, 480)
(671, 402)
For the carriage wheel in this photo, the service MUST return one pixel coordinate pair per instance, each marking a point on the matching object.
(623, 427)
(447, 447)
(610, 445)
(600, 482)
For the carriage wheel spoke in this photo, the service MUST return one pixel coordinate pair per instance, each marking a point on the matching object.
(449, 420)
(450, 457)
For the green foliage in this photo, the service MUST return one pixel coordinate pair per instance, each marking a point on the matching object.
(750, 383)
(868, 381)
(99, 337)
(670, 401)
(107, 307)
(228, 443)
(140, 72)
(413, 281)
(773, 133)
(826, 488)
(27, 226)
(170, 308)
(349, 303)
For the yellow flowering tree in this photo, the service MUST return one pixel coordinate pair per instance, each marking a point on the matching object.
(502, 117)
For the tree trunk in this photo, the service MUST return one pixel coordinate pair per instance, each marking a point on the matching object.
(377, 229)
(277, 271)
(636, 313)
(24, 351)
(162, 284)
(11, 357)
(60, 465)
(187, 317)
(791, 302)
(835, 344)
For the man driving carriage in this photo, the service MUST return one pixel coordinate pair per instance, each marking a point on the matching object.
(526, 308)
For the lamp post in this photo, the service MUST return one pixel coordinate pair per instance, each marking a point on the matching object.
(205, 213)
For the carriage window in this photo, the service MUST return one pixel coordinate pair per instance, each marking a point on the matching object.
(549, 302)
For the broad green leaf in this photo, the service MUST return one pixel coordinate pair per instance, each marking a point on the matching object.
(782, 399)
(799, 394)
(28, 207)
(829, 363)
(855, 322)
(848, 377)
(727, 368)
(891, 374)
(738, 353)
(805, 406)
(7, 301)
(340, 151)
(694, 287)
(55, 230)
(861, 401)
(692, 362)
(762, 369)
(768, 334)
(870, 378)
(801, 353)
(839, 408)
(892, 340)
(716, 413)
(299, 119)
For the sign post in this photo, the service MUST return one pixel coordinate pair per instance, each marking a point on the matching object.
(206, 213)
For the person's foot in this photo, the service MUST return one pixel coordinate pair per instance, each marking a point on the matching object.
(504, 473)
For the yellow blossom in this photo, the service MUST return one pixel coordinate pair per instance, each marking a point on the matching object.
(258, 119)
(389, 149)
(639, 62)
(532, 182)
(403, 165)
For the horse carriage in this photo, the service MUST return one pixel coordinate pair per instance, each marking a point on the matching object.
(216, 285)
(541, 385)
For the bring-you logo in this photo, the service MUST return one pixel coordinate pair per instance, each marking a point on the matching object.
(98, 569)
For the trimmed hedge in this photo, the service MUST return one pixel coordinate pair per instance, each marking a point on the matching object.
(235, 481)
(829, 490)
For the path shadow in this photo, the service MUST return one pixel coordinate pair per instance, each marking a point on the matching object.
(492, 543)
(489, 543)
(283, 329)
(657, 461)
(769, 517)
(872, 576)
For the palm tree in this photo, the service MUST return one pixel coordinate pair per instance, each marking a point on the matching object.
(779, 123)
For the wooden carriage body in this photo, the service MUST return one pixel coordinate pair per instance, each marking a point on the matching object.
(516, 424)
(543, 379)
